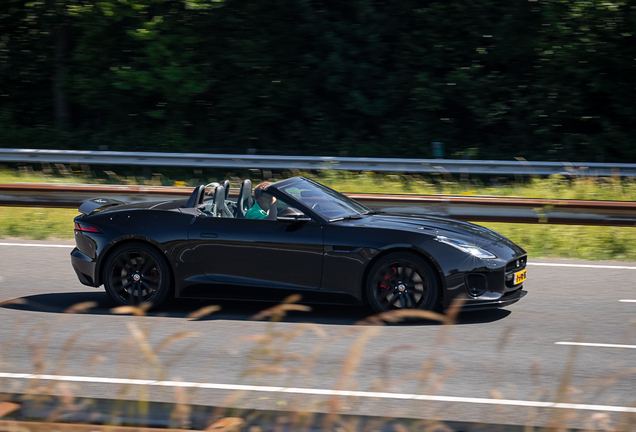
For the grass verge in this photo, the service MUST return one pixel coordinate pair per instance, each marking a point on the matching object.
(540, 240)
(36, 223)
(553, 187)
(594, 243)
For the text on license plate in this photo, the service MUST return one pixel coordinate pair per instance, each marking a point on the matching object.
(520, 276)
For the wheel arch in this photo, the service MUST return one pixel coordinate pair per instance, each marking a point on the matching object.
(418, 252)
(115, 245)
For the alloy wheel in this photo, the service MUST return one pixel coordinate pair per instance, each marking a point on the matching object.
(402, 280)
(135, 276)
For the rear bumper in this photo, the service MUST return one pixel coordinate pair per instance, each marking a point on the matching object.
(494, 300)
(84, 267)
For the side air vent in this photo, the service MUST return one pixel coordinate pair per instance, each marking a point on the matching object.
(345, 249)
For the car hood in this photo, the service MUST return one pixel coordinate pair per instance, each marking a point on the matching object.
(478, 235)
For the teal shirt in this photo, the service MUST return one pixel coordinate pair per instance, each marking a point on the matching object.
(256, 212)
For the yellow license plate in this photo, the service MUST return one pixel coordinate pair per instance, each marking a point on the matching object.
(520, 276)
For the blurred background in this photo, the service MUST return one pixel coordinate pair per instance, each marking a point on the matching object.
(541, 80)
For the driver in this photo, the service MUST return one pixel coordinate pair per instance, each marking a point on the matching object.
(265, 205)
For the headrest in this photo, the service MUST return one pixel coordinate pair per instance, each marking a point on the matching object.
(219, 195)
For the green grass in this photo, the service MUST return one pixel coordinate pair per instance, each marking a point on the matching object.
(553, 187)
(571, 241)
(36, 223)
(540, 240)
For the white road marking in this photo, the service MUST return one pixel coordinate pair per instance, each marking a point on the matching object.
(601, 345)
(582, 266)
(36, 245)
(628, 301)
(324, 392)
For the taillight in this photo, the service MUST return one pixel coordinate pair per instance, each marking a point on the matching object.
(86, 228)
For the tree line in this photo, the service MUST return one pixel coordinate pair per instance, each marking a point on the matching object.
(538, 79)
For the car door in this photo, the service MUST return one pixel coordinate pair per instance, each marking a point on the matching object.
(258, 253)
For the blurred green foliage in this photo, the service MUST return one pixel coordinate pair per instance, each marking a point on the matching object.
(542, 80)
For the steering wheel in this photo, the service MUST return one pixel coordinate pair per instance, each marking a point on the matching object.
(316, 207)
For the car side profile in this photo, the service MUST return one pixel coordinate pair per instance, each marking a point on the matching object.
(322, 244)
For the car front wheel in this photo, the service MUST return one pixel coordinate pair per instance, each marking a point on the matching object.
(402, 280)
(136, 274)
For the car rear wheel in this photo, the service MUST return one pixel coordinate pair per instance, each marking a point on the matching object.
(136, 274)
(402, 280)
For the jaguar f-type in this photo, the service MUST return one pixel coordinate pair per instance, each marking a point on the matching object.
(322, 245)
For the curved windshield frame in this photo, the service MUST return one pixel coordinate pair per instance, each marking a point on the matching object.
(328, 203)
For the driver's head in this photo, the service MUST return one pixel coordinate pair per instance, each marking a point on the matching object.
(264, 200)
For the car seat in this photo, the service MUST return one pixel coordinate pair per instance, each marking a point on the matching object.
(244, 201)
(209, 209)
(220, 208)
(231, 205)
(226, 184)
(196, 197)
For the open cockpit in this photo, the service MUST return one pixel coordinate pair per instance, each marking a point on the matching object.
(215, 200)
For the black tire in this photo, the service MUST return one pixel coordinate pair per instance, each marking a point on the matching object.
(402, 280)
(136, 273)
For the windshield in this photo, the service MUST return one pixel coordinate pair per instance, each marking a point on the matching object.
(325, 201)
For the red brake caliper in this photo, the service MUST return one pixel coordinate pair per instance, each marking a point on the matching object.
(386, 280)
(154, 273)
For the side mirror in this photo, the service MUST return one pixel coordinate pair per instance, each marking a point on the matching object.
(292, 214)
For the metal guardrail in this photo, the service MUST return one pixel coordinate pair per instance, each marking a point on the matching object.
(476, 209)
(422, 166)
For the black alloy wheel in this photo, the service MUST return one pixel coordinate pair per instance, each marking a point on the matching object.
(402, 280)
(136, 274)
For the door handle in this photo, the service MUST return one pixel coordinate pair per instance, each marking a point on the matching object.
(209, 235)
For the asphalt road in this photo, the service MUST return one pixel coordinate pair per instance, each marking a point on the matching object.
(493, 366)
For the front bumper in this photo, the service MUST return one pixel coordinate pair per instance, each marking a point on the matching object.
(487, 286)
(492, 300)
(85, 268)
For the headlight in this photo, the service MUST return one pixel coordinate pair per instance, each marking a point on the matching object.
(465, 247)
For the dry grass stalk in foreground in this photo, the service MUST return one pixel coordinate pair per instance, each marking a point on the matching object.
(271, 354)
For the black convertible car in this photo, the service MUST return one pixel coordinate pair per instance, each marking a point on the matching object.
(322, 244)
